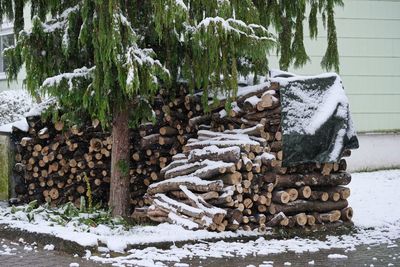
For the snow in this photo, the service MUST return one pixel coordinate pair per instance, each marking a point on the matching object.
(376, 214)
(213, 150)
(43, 131)
(253, 100)
(308, 109)
(374, 198)
(37, 109)
(233, 25)
(49, 247)
(337, 256)
(307, 115)
(13, 105)
(211, 165)
(252, 88)
(181, 4)
(185, 179)
(68, 77)
(60, 23)
(198, 200)
(20, 124)
(170, 203)
(225, 140)
(186, 223)
(182, 167)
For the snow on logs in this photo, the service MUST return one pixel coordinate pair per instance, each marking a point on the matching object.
(241, 151)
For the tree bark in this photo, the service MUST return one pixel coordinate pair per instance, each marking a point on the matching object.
(119, 183)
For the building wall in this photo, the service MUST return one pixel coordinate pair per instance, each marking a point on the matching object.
(18, 84)
(369, 49)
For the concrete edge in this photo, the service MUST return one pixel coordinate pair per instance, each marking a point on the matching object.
(71, 247)
(14, 234)
(319, 231)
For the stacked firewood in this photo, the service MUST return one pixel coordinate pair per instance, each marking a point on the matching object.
(220, 170)
(231, 176)
(57, 164)
(154, 144)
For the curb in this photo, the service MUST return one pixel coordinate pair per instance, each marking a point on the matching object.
(71, 247)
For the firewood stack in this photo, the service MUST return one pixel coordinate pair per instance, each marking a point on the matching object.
(59, 166)
(219, 171)
(154, 144)
(231, 176)
(53, 162)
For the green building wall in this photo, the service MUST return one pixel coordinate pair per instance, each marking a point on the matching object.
(369, 48)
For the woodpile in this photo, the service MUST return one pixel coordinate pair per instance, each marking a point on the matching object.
(55, 165)
(54, 161)
(219, 171)
(231, 175)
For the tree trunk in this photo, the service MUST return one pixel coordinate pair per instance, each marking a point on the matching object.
(119, 185)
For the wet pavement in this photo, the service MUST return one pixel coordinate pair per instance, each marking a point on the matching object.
(22, 254)
(379, 255)
(15, 254)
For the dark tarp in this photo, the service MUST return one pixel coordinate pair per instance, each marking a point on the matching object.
(316, 121)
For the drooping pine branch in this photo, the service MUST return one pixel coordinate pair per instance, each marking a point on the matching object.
(331, 58)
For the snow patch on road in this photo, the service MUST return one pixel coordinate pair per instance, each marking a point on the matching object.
(337, 256)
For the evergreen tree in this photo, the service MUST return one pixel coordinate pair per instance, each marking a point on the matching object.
(108, 58)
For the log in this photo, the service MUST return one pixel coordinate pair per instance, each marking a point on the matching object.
(168, 131)
(346, 214)
(205, 196)
(326, 170)
(319, 195)
(192, 183)
(313, 179)
(301, 219)
(276, 219)
(304, 192)
(215, 213)
(310, 220)
(280, 197)
(231, 178)
(166, 203)
(293, 194)
(299, 206)
(183, 170)
(229, 154)
(330, 217)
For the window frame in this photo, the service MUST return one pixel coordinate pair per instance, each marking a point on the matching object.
(5, 29)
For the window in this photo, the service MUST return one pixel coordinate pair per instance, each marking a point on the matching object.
(6, 40)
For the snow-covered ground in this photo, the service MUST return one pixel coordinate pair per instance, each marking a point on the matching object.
(374, 198)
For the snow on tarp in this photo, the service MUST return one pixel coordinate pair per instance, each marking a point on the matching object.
(316, 121)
